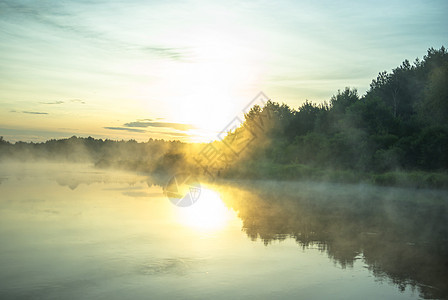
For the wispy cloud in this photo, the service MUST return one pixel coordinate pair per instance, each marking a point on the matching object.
(145, 123)
(126, 129)
(167, 52)
(178, 126)
(30, 112)
(50, 15)
(65, 19)
(62, 102)
(51, 103)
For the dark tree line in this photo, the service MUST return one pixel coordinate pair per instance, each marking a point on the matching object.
(401, 123)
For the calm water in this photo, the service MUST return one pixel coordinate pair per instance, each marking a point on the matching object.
(73, 232)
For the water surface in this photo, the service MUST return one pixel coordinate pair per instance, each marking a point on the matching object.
(74, 232)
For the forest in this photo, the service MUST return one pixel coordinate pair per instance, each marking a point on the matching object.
(394, 134)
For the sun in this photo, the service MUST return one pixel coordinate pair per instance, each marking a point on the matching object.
(208, 214)
(211, 89)
(209, 99)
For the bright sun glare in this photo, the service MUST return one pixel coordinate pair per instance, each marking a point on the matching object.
(209, 91)
(208, 214)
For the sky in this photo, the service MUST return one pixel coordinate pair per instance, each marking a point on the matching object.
(184, 69)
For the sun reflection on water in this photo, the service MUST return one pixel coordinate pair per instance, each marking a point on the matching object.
(209, 213)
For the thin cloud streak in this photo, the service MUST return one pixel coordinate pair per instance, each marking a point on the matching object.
(52, 103)
(167, 134)
(178, 126)
(34, 112)
(126, 129)
(178, 54)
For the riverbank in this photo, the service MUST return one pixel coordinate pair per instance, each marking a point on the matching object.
(399, 178)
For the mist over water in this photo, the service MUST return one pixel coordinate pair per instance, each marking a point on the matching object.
(72, 231)
(401, 234)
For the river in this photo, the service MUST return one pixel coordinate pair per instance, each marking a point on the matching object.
(75, 232)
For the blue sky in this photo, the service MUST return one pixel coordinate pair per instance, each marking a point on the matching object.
(94, 67)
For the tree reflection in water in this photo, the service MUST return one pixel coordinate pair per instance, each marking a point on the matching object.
(401, 235)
